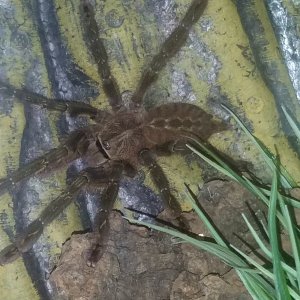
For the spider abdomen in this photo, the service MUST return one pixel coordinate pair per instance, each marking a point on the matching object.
(171, 121)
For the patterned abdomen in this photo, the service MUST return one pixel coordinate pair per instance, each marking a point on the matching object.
(173, 121)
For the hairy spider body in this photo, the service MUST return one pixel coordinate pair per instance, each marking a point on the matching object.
(118, 142)
(127, 133)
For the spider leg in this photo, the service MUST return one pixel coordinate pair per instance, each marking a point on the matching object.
(178, 146)
(169, 48)
(75, 145)
(99, 54)
(171, 205)
(72, 107)
(101, 224)
(27, 239)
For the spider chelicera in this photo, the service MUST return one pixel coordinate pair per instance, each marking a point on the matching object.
(118, 141)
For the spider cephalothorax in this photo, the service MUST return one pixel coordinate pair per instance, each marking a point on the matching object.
(119, 140)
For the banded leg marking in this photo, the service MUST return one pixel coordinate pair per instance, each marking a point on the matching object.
(72, 107)
(75, 146)
(25, 240)
(161, 182)
(101, 225)
(99, 54)
(28, 238)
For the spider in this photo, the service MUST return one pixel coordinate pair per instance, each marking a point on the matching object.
(118, 142)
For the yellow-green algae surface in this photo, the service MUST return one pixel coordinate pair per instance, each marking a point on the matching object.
(237, 78)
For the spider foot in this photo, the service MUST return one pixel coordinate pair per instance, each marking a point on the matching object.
(94, 255)
(175, 218)
(9, 254)
(23, 243)
(183, 223)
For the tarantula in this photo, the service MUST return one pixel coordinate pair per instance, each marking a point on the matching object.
(118, 142)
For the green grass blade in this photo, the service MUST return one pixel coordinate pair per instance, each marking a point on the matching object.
(224, 253)
(259, 192)
(265, 250)
(280, 277)
(251, 261)
(205, 220)
(255, 287)
(289, 200)
(294, 238)
(218, 164)
(258, 240)
(285, 178)
(264, 228)
(251, 287)
(268, 274)
(220, 241)
(226, 171)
